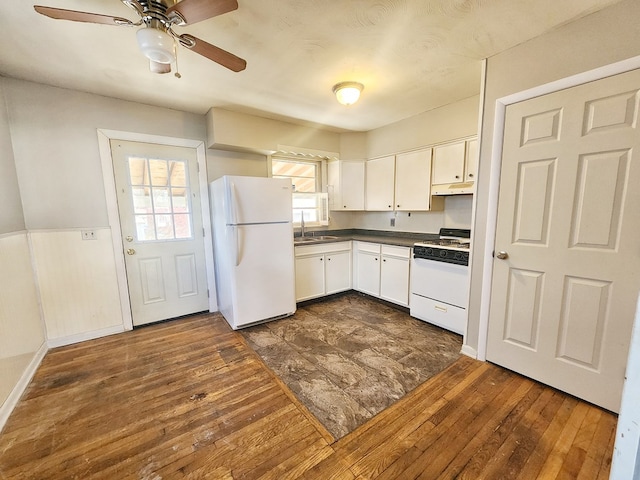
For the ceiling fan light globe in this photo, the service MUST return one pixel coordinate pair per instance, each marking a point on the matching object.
(156, 45)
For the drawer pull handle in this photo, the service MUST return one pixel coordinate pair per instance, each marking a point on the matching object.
(442, 309)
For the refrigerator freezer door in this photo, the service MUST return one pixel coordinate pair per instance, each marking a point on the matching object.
(257, 200)
(264, 277)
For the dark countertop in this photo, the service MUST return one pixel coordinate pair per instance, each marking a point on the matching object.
(402, 239)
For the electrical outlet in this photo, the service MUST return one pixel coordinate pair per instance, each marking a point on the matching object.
(88, 235)
(393, 222)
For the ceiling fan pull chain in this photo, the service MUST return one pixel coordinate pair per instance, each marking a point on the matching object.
(175, 48)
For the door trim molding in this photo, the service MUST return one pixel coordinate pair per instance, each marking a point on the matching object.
(104, 138)
(496, 165)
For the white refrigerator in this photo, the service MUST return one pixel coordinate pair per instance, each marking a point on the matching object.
(253, 249)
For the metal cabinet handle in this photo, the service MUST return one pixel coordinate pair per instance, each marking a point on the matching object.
(502, 255)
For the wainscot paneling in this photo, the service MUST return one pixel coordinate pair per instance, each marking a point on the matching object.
(77, 283)
(22, 337)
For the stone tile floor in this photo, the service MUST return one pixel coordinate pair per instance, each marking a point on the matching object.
(349, 357)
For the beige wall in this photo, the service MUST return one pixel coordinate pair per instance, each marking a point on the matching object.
(11, 218)
(22, 332)
(457, 120)
(56, 148)
(239, 131)
(222, 162)
(599, 39)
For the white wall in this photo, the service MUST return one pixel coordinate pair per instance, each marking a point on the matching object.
(11, 217)
(22, 333)
(602, 38)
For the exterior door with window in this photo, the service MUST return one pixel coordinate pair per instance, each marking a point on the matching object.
(161, 223)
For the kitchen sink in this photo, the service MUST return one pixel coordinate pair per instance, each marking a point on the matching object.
(319, 238)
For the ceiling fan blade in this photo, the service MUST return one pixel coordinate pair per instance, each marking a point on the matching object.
(75, 16)
(193, 11)
(218, 55)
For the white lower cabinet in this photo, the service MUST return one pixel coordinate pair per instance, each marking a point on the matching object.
(383, 271)
(394, 274)
(322, 269)
(368, 272)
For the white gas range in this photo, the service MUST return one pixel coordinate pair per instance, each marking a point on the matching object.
(440, 280)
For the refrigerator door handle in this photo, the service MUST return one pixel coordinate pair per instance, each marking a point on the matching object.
(233, 205)
(235, 244)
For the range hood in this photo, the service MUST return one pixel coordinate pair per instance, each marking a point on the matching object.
(460, 188)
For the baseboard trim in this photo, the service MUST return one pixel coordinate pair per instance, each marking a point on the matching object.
(469, 351)
(81, 337)
(14, 397)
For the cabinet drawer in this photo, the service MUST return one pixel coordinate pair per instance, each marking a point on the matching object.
(303, 250)
(438, 313)
(395, 251)
(368, 247)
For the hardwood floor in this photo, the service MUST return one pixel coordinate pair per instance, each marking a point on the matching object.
(190, 399)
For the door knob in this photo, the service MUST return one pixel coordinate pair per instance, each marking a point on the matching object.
(129, 238)
(502, 255)
(131, 251)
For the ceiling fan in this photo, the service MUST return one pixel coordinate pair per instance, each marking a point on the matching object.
(156, 38)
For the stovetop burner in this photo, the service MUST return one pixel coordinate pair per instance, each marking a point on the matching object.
(452, 247)
(445, 242)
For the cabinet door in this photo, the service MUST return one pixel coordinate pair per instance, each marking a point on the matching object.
(413, 181)
(471, 161)
(352, 185)
(334, 185)
(394, 280)
(448, 163)
(380, 184)
(309, 277)
(337, 270)
(368, 272)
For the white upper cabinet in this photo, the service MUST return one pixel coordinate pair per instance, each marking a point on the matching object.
(346, 185)
(379, 192)
(471, 161)
(400, 182)
(413, 181)
(454, 167)
(448, 163)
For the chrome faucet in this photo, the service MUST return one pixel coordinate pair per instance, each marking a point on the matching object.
(301, 224)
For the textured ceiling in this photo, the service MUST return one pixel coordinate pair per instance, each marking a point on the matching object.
(411, 55)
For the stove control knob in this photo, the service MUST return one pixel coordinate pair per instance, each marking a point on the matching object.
(458, 256)
(443, 253)
(429, 251)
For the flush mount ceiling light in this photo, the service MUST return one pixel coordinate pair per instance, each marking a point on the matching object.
(348, 93)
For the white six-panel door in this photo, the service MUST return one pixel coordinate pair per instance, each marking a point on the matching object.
(161, 222)
(564, 291)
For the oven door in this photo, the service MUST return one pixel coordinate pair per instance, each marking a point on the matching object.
(439, 293)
